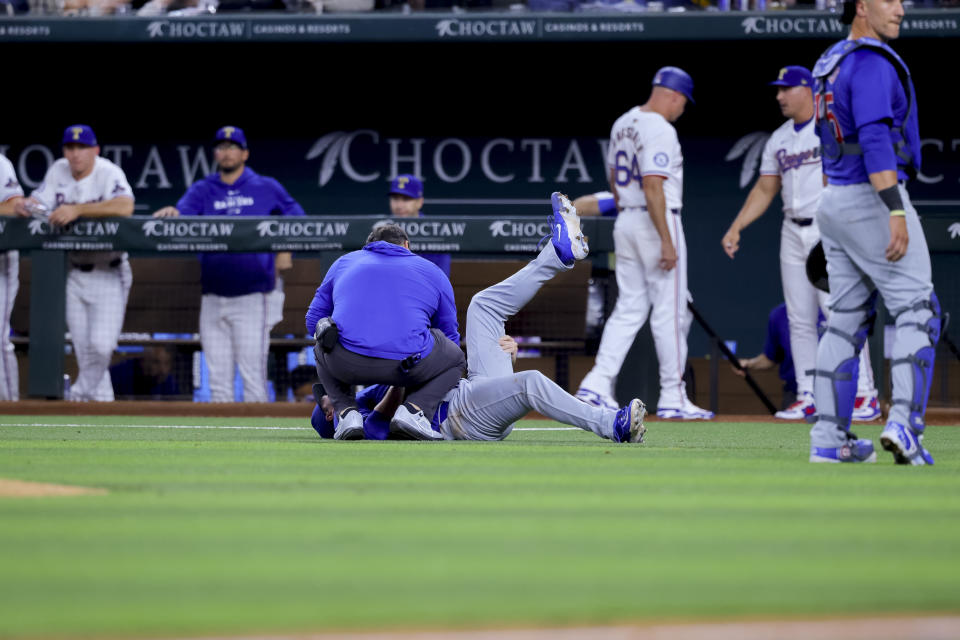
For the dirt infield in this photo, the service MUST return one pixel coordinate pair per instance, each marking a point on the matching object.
(893, 628)
(22, 489)
(935, 416)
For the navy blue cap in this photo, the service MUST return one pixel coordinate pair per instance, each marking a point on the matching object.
(794, 77)
(406, 185)
(675, 78)
(79, 134)
(231, 134)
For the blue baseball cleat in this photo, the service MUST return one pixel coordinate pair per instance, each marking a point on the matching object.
(905, 444)
(855, 450)
(567, 237)
(628, 424)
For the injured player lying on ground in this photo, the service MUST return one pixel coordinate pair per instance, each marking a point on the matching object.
(486, 404)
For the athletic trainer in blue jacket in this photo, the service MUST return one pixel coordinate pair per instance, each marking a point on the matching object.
(396, 321)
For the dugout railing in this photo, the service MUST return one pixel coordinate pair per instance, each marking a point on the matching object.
(485, 250)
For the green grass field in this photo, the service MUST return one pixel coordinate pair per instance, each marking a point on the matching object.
(239, 531)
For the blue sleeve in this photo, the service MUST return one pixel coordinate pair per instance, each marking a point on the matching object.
(773, 346)
(874, 84)
(376, 426)
(369, 397)
(878, 154)
(445, 317)
(607, 205)
(287, 205)
(322, 304)
(191, 204)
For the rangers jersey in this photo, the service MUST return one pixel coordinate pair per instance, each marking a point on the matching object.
(643, 143)
(794, 156)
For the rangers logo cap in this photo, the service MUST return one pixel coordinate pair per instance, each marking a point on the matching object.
(231, 134)
(79, 134)
(794, 76)
(406, 184)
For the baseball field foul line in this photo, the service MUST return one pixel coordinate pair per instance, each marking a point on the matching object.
(190, 426)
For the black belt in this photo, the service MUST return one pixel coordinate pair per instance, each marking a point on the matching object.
(801, 222)
(675, 212)
(86, 268)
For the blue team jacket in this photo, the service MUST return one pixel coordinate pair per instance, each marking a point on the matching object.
(384, 300)
(237, 274)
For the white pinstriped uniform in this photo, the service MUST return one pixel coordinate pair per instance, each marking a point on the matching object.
(9, 284)
(96, 299)
(643, 143)
(794, 156)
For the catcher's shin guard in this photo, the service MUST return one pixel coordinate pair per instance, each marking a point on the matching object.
(842, 372)
(924, 317)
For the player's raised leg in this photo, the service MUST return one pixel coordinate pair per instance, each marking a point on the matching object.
(489, 309)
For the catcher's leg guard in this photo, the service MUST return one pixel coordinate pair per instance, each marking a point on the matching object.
(839, 357)
(919, 326)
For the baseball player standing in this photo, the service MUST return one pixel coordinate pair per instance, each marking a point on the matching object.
(868, 126)
(406, 200)
(98, 282)
(646, 177)
(10, 195)
(791, 165)
(235, 310)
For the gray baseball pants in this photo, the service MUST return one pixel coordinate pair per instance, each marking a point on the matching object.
(854, 225)
(485, 405)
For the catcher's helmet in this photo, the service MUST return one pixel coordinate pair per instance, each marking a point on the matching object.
(675, 78)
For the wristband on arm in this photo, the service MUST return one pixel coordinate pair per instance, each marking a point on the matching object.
(891, 198)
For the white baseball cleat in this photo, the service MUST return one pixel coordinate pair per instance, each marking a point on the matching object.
(597, 399)
(413, 426)
(688, 411)
(567, 237)
(349, 426)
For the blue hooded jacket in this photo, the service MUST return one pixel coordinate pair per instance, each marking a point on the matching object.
(384, 300)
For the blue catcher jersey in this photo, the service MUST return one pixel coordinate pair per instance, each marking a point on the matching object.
(862, 85)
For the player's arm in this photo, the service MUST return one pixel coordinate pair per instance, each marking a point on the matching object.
(587, 205)
(612, 180)
(119, 206)
(759, 362)
(9, 207)
(445, 317)
(757, 202)
(657, 208)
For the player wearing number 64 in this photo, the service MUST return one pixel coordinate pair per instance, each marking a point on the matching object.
(646, 177)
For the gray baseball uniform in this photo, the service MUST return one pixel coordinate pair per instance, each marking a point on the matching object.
(487, 403)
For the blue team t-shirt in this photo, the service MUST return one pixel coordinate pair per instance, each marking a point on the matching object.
(237, 274)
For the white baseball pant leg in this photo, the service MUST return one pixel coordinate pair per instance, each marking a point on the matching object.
(9, 284)
(670, 317)
(631, 240)
(96, 303)
(234, 333)
(803, 300)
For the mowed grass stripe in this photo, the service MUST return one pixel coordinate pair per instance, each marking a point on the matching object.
(246, 531)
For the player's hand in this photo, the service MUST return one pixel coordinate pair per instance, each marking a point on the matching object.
(166, 212)
(21, 207)
(668, 255)
(509, 345)
(284, 261)
(745, 363)
(64, 214)
(327, 407)
(899, 238)
(731, 242)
